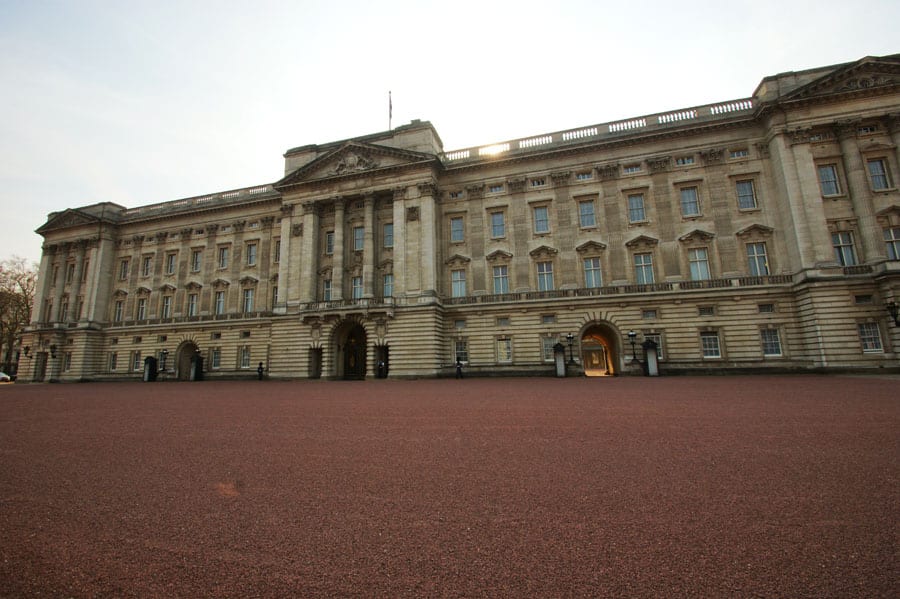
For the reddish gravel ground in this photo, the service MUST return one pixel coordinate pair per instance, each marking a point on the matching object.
(626, 487)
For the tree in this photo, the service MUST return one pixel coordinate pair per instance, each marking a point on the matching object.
(18, 280)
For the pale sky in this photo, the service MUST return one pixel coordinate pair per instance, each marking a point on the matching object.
(137, 102)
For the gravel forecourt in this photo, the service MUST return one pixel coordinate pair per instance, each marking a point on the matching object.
(744, 486)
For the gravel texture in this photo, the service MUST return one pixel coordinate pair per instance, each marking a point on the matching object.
(625, 487)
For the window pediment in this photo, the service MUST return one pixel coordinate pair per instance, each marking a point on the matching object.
(642, 241)
(499, 256)
(221, 283)
(457, 260)
(167, 288)
(755, 231)
(589, 247)
(120, 293)
(889, 217)
(194, 286)
(697, 235)
(143, 291)
(543, 252)
(249, 281)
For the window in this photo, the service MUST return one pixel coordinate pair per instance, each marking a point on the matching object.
(892, 241)
(867, 129)
(247, 303)
(196, 257)
(690, 201)
(545, 276)
(538, 182)
(684, 160)
(459, 324)
(170, 263)
(192, 304)
(498, 225)
(548, 318)
(461, 350)
(501, 279)
(387, 235)
(70, 272)
(359, 234)
(64, 310)
(870, 337)
(456, 195)
(709, 343)
(586, 214)
(585, 176)
(356, 287)
(326, 290)
(757, 259)
(643, 269)
(220, 302)
(274, 295)
(495, 188)
(766, 308)
(136, 361)
(706, 311)
(251, 254)
(844, 252)
(113, 360)
(216, 357)
(657, 339)
(631, 169)
(592, 275)
(771, 342)
(541, 219)
(456, 229)
(742, 153)
(649, 314)
(141, 312)
(458, 283)
(547, 344)
(245, 356)
(223, 257)
(329, 242)
(146, 266)
(504, 349)
(828, 180)
(636, 212)
(746, 195)
(123, 270)
(698, 258)
(387, 285)
(878, 174)
(166, 309)
(118, 311)
(502, 321)
(276, 255)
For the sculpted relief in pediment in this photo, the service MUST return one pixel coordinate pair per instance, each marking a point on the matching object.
(351, 162)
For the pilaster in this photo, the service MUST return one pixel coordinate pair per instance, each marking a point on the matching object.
(860, 194)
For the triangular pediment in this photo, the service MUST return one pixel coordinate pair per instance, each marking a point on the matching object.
(352, 159)
(642, 240)
(457, 260)
(498, 255)
(755, 230)
(66, 219)
(867, 74)
(590, 246)
(543, 251)
(697, 235)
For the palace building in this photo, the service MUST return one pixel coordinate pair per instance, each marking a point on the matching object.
(757, 234)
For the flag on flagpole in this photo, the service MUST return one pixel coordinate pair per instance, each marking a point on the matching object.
(390, 110)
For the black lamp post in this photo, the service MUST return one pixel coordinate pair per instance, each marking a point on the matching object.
(571, 338)
(892, 309)
(631, 337)
(165, 355)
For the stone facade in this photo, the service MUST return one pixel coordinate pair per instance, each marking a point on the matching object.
(755, 234)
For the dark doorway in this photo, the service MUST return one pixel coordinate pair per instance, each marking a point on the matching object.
(186, 360)
(353, 350)
(382, 361)
(40, 366)
(315, 363)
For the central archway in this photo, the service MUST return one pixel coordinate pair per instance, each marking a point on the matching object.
(600, 350)
(186, 359)
(350, 357)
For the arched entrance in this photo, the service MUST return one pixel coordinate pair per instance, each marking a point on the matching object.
(599, 350)
(187, 357)
(350, 354)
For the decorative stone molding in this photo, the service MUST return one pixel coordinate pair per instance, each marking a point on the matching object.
(212, 229)
(515, 185)
(297, 230)
(475, 192)
(659, 164)
(137, 239)
(399, 194)
(590, 247)
(220, 284)
(427, 188)
(354, 161)
(889, 217)
(841, 224)
(762, 149)
(846, 129)
(697, 235)
(186, 233)
(166, 287)
(267, 221)
(412, 214)
(457, 261)
(755, 231)
(608, 171)
(499, 257)
(866, 83)
(161, 237)
(143, 291)
(713, 155)
(193, 286)
(310, 208)
(249, 281)
(120, 293)
(239, 225)
(287, 209)
(386, 267)
(561, 178)
(544, 251)
(642, 241)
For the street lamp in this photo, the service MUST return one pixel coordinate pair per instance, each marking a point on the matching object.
(571, 338)
(631, 337)
(165, 354)
(892, 309)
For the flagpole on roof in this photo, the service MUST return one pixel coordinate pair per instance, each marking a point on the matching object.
(390, 110)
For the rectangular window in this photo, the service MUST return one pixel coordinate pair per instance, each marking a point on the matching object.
(742, 153)
(541, 219)
(64, 311)
(274, 296)
(545, 276)
(123, 270)
(709, 343)
(146, 266)
(136, 365)
(113, 361)
(70, 272)
(501, 279)
(771, 342)
(359, 234)
(119, 311)
(387, 285)
(649, 314)
(539, 182)
(498, 225)
(356, 287)
(220, 302)
(657, 339)
(495, 188)
(548, 318)
(636, 213)
(828, 180)
(643, 269)
(141, 312)
(196, 257)
(631, 169)
(684, 160)
(461, 350)
(387, 236)
(326, 290)
(216, 358)
(170, 263)
(457, 233)
(547, 344)
(329, 242)
(223, 257)
(586, 214)
(502, 321)
(844, 252)
(458, 283)
(892, 243)
(870, 337)
(766, 308)
(251, 254)
(245, 356)
(585, 176)
(166, 310)
(757, 259)
(192, 304)
(746, 195)
(276, 255)
(706, 310)
(247, 303)
(878, 174)
(690, 201)
(698, 258)
(592, 275)
(504, 349)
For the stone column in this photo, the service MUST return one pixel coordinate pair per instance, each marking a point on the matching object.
(428, 238)
(288, 289)
(369, 247)
(860, 193)
(56, 313)
(43, 290)
(893, 126)
(75, 290)
(309, 253)
(337, 271)
(399, 242)
(102, 274)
